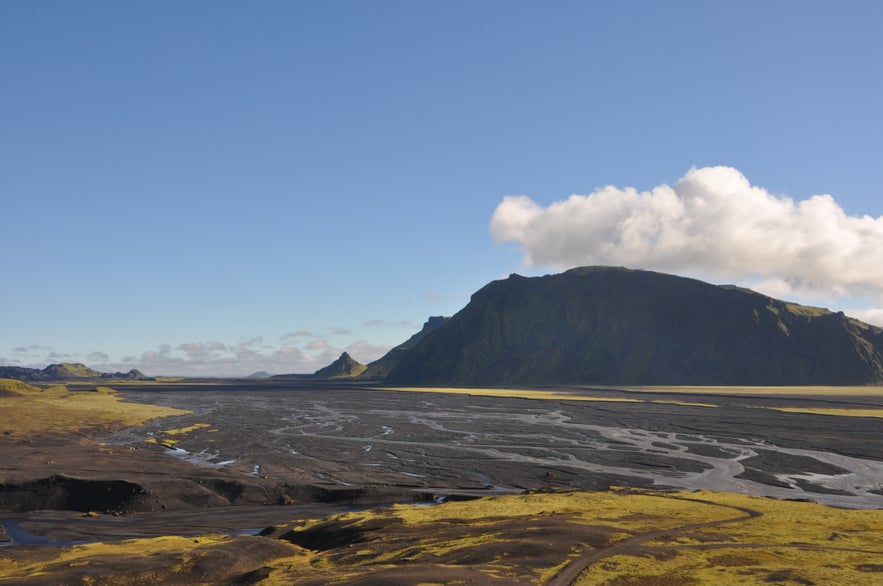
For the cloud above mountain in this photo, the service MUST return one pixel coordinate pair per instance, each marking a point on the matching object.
(216, 359)
(712, 223)
(245, 357)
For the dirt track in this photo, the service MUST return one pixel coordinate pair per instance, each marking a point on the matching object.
(574, 569)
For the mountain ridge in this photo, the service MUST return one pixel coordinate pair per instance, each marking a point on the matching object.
(380, 368)
(66, 371)
(613, 325)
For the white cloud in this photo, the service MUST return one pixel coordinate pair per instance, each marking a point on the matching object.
(712, 223)
(215, 359)
(873, 315)
(297, 334)
(319, 344)
(297, 352)
(31, 349)
(364, 352)
(375, 323)
(99, 357)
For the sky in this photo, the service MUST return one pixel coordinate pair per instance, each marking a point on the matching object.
(218, 188)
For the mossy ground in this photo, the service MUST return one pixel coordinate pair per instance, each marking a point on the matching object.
(589, 394)
(170, 437)
(559, 395)
(529, 538)
(510, 539)
(789, 543)
(27, 409)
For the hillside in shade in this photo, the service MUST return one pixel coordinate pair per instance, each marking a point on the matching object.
(604, 325)
(381, 367)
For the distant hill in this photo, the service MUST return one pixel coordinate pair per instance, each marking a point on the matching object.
(133, 374)
(22, 373)
(259, 374)
(66, 372)
(604, 325)
(343, 367)
(70, 371)
(12, 387)
(381, 367)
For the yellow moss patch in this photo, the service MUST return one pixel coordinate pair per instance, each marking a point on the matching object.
(834, 412)
(171, 437)
(511, 393)
(864, 391)
(685, 403)
(628, 512)
(27, 409)
(794, 542)
(90, 554)
(787, 522)
(578, 394)
(789, 543)
(757, 566)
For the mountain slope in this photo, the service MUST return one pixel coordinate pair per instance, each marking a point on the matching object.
(344, 367)
(381, 367)
(603, 325)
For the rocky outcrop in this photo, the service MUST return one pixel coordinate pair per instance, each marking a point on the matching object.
(61, 492)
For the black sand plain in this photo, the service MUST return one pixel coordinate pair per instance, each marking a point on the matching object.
(256, 453)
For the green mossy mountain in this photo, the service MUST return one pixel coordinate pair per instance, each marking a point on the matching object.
(66, 371)
(381, 367)
(70, 371)
(605, 325)
(344, 367)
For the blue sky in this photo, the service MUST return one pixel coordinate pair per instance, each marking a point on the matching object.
(216, 188)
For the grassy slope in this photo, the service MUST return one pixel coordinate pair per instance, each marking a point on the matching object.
(25, 408)
(799, 543)
(791, 536)
(511, 539)
(344, 367)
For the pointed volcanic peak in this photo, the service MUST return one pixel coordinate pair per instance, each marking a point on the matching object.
(605, 325)
(381, 367)
(343, 367)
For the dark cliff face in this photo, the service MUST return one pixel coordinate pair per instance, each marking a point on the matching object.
(601, 325)
(381, 367)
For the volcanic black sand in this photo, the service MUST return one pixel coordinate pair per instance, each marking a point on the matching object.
(304, 449)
